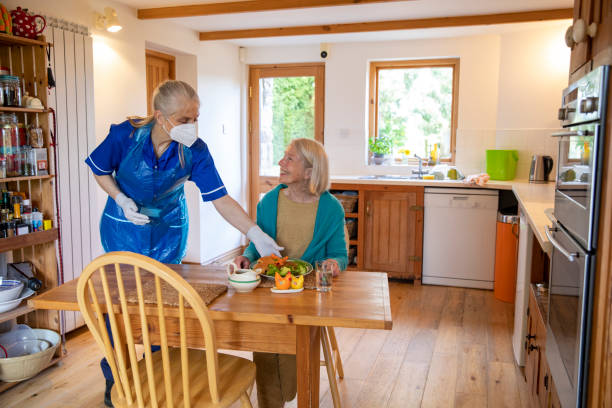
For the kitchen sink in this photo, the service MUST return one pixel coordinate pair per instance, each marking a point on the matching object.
(388, 177)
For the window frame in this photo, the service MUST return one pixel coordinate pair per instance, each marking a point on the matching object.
(376, 66)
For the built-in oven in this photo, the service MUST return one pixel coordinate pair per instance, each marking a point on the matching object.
(577, 180)
(573, 234)
(566, 341)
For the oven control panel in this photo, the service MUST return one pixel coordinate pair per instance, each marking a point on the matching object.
(581, 101)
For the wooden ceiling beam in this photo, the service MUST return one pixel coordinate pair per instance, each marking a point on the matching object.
(472, 20)
(248, 6)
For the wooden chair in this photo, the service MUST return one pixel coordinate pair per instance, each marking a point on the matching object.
(332, 362)
(171, 377)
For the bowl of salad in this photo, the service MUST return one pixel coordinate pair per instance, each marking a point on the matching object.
(267, 266)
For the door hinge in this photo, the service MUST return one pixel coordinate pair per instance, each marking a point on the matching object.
(250, 91)
(415, 258)
(416, 208)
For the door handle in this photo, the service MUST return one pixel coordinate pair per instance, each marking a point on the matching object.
(368, 205)
(571, 256)
(571, 133)
(460, 197)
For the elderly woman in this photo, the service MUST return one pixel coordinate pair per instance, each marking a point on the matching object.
(304, 218)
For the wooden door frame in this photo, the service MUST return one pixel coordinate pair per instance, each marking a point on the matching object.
(171, 65)
(256, 72)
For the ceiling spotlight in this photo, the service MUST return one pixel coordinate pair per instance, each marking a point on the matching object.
(107, 21)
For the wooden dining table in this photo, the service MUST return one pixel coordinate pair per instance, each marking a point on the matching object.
(267, 322)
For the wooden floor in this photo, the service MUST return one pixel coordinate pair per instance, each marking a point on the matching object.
(449, 347)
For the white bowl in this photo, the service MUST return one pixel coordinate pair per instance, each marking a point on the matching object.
(244, 286)
(11, 304)
(10, 289)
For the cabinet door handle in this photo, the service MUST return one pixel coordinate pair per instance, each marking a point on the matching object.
(368, 205)
(530, 337)
(546, 381)
(532, 348)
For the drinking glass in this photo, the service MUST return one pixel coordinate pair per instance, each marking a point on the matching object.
(325, 274)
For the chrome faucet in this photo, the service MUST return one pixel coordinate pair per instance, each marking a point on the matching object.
(420, 173)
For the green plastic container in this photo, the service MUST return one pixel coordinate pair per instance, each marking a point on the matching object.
(501, 164)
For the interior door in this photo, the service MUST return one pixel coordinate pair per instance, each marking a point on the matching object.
(394, 233)
(160, 67)
(285, 103)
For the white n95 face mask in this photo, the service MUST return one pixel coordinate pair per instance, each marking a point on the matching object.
(185, 133)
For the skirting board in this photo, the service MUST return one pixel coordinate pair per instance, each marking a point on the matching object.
(462, 283)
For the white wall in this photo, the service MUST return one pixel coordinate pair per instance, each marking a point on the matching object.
(533, 72)
(508, 87)
(120, 90)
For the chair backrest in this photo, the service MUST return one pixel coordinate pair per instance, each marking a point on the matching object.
(103, 290)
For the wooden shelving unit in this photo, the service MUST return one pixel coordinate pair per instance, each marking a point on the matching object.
(12, 40)
(27, 59)
(22, 309)
(22, 110)
(25, 178)
(27, 240)
(354, 242)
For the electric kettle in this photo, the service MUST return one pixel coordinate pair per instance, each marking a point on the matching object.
(541, 167)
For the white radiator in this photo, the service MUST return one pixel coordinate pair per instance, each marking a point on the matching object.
(72, 99)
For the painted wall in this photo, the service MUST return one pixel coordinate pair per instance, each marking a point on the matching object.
(501, 76)
(120, 89)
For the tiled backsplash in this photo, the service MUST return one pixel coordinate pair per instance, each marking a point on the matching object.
(473, 143)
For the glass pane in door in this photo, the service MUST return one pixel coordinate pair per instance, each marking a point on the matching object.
(286, 112)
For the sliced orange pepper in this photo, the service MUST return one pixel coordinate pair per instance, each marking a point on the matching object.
(282, 283)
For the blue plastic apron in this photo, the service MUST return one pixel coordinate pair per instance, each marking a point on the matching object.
(158, 194)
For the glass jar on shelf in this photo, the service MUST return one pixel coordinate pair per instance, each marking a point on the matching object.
(36, 136)
(28, 160)
(8, 131)
(11, 90)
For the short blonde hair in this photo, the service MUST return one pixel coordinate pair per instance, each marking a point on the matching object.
(314, 156)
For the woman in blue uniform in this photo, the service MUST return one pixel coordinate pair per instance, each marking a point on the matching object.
(142, 165)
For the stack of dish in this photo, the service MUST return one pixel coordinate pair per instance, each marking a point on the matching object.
(12, 293)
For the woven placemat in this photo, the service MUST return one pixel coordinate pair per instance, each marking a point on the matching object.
(207, 291)
(309, 282)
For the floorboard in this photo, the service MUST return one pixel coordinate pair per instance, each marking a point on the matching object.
(449, 347)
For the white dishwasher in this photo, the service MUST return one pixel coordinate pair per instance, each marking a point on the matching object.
(459, 237)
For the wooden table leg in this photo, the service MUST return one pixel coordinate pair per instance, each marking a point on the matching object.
(308, 344)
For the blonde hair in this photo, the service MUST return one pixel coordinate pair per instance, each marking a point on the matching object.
(314, 156)
(167, 98)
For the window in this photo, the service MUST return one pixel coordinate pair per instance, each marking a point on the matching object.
(413, 109)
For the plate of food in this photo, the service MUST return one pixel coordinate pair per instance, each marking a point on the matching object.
(267, 266)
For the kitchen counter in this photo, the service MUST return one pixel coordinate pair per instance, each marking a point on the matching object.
(534, 199)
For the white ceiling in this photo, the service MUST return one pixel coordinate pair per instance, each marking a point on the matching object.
(354, 13)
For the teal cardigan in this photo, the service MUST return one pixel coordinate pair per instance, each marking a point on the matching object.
(328, 241)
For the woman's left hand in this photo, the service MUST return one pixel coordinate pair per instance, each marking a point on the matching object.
(334, 265)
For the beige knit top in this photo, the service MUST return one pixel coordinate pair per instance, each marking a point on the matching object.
(294, 225)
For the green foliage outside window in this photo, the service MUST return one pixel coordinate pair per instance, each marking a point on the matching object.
(293, 112)
(414, 108)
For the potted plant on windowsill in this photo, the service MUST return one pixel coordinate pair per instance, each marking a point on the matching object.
(380, 147)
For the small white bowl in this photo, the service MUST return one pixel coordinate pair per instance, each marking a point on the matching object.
(10, 289)
(244, 286)
(11, 304)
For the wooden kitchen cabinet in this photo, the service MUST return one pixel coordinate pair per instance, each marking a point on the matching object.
(394, 230)
(596, 48)
(389, 228)
(537, 373)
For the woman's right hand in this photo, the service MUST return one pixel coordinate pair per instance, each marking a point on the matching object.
(130, 210)
(242, 262)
